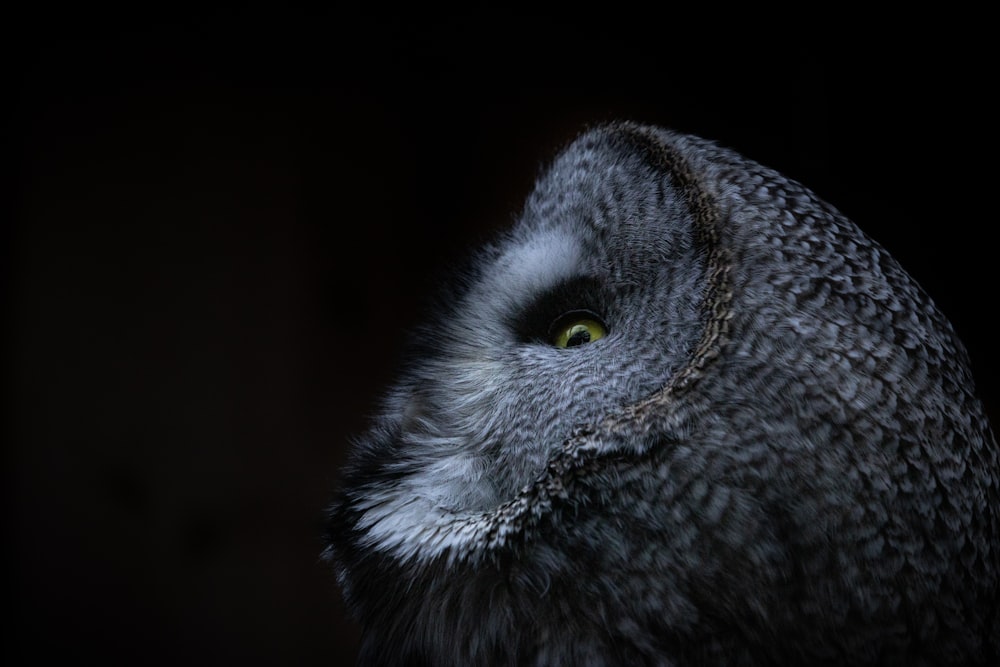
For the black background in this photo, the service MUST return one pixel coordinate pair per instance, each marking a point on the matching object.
(223, 223)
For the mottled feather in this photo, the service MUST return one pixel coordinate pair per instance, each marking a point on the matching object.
(776, 455)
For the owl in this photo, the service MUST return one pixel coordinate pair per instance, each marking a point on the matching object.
(682, 412)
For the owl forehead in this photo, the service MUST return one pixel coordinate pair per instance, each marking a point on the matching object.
(597, 213)
(537, 262)
(540, 260)
(620, 202)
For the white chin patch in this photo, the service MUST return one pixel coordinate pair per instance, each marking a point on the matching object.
(406, 522)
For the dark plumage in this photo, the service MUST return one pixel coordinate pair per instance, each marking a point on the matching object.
(771, 453)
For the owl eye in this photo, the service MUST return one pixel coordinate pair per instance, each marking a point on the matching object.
(576, 327)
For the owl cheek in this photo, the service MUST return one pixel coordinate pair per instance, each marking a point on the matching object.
(409, 419)
(413, 418)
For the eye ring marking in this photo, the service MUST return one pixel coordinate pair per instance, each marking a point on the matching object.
(577, 327)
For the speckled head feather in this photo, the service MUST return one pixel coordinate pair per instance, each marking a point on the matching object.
(766, 449)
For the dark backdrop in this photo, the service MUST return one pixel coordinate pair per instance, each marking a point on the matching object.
(222, 226)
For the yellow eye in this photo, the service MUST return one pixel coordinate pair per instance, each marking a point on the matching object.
(577, 328)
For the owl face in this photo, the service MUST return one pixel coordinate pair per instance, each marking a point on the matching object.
(591, 303)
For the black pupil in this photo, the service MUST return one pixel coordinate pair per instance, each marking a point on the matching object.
(578, 337)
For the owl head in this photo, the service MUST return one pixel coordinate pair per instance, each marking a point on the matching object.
(683, 411)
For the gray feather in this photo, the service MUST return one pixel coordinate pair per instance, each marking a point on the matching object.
(775, 455)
